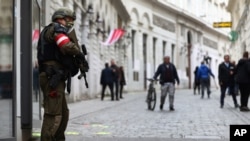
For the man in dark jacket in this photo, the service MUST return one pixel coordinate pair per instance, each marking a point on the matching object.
(122, 81)
(196, 80)
(226, 80)
(243, 79)
(107, 79)
(204, 76)
(116, 77)
(168, 76)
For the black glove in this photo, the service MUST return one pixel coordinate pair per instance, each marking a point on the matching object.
(58, 28)
(80, 56)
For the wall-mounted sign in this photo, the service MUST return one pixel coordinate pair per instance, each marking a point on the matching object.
(164, 23)
(222, 24)
(210, 43)
(233, 36)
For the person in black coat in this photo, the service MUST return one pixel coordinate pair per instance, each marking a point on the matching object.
(116, 77)
(243, 80)
(196, 80)
(107, 79)
(227, 73)
(122, 81)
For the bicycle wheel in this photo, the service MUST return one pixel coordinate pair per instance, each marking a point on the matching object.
(153, 100)
(149, 98)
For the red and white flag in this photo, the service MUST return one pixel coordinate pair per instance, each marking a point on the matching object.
(35, 35)
(114, 35)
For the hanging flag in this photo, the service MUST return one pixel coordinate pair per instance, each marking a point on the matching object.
(114, 35)
(35, 35)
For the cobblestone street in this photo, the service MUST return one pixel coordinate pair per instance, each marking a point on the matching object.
(128, 119)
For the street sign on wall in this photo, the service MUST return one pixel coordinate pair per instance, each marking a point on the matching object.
(233, 36)
(222, 24)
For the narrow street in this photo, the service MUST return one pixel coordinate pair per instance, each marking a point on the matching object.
(128, 119)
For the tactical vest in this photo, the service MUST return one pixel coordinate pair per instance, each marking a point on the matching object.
(46, 51)
(49, 51)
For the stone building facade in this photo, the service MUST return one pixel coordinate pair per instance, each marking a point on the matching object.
(153, 29)
(240, 19)
(165, 27)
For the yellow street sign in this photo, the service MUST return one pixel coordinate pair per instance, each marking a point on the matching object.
(222, 24)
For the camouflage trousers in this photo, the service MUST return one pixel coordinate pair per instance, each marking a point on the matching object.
(56, 112)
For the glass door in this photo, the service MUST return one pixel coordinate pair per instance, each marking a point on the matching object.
(6, 70)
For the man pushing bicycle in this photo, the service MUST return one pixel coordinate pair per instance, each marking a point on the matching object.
(168, 76)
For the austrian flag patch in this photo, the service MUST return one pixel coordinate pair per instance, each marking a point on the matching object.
(61, 39)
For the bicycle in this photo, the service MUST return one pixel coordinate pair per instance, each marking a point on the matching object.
(151, 96)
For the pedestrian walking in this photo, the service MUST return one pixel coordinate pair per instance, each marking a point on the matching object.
(116, 77)
(196, 80)
(204, 76)
(107, 80)
(122, 81)
(236, 86)
(55, 47)
(243, 79)
(168, 76)
(226, 76)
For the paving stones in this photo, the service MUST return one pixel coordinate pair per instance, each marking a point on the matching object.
(193, 118)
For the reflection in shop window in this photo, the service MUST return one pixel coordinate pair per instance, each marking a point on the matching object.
(6, 55)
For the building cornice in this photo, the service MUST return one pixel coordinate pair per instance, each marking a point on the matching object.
(121, 9)
(242, 17)
(230, 5)
(186, 15)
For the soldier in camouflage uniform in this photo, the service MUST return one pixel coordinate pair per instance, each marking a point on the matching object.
(55, 44)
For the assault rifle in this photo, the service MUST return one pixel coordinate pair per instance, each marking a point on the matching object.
(83, 65)
(81, 62)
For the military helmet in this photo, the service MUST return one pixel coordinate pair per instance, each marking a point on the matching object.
(63, 12)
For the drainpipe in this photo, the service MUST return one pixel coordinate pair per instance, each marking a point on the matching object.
(189, 65)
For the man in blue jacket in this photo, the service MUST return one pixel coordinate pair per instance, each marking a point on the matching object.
(107, 80)
(204, 76)
(168, 76)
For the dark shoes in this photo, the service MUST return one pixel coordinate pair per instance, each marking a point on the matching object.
(161, 107)
(236, 105)
(221, 106)
(171, 108)
(244, 109)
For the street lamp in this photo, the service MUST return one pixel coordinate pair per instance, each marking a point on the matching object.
(90, 10)
(207, 60)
